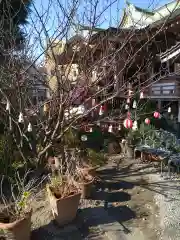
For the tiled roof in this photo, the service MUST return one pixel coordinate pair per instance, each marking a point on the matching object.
(170, 53)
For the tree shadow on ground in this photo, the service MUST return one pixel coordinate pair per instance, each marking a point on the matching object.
(122, 213)
(114, 185)
(52, 231)
(127, 171)
(162, 188)
(111, 196)
(87, 220)
(94, 217)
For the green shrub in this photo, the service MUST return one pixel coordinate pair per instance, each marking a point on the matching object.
(96, 158)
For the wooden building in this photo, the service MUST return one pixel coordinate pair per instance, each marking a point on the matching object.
(143, 54)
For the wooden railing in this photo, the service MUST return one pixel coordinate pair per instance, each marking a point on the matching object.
(166, 91)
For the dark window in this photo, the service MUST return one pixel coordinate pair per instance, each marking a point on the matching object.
(34, 101)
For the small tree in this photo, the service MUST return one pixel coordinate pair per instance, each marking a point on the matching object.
(108, 64)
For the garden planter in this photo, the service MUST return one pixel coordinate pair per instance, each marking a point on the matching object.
(129, 151)
(89, 171)
(86, 188)
(64, 209)
(17, 230)
(123, 148)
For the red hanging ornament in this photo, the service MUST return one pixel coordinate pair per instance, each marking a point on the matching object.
(128, 123)
(141, 95)
(156, 114)
(130, 92)
(147, 121)
(104, 108)
(102, 127)
(110, 129)
(86, 128)
(93, 102)
(101, 110)
(128, 100)
(128, 114)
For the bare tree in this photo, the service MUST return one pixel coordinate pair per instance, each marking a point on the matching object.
(86, 68)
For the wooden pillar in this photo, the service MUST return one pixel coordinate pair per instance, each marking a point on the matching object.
(119, 76)
(159, 105)
(178, 119)
(178, 111)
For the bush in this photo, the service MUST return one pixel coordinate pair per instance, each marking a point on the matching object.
(96, 158)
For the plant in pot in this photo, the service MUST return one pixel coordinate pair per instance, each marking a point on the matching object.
(85, 183)
(132, 140)
(64, 197)
(15, 216)
(94, 160)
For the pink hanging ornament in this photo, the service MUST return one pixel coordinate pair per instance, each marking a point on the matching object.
(156, 114)
(93, 102)
(110, 128)
(141, 95)
(86, 128)
(128, 123)
(147, 121)
(98, 124)
(45, 108)
(29, 129)
(130, 92)
(21, 118)
(128, 100)
(126, 106)
(134, 104)
(7, 106)
(101, 111)
(169, 109)
(128, 115)
(134, 127)
(105, 126)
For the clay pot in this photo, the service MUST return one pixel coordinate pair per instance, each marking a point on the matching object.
(89, 171)
(19, 229)
(86, 188)
(64, 209)
(129, 151)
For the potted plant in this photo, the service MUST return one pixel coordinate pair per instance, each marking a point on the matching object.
(15, 217)
(93, 160)
(85, 183)
(133, 138)
(64, 197)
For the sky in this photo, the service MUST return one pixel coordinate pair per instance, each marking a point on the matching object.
(51, 15)
(114, 12)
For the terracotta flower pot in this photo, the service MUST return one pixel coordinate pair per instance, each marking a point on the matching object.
(64, 209)
(89, 171)
(19, 229)
(129, 151)
(86, 188)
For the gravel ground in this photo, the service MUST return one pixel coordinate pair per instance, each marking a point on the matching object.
(167, 197)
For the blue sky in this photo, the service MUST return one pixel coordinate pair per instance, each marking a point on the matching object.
(111, 17)
(111, 12)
